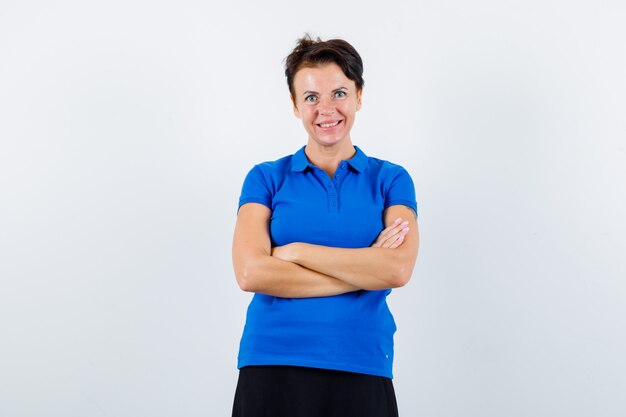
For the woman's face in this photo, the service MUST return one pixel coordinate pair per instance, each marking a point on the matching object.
(326, 101)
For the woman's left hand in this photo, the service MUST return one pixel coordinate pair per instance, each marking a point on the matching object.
(285, 252)
(393, 236)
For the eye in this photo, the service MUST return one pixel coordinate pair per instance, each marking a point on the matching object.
(310, 99)
(340, 94)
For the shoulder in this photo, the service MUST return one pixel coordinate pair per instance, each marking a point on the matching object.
(267, 177)
(386, 170)
(394, 181)
(272, 169)
(276, 165)
(263, 180)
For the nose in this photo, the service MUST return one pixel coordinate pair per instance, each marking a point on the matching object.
(327, 107)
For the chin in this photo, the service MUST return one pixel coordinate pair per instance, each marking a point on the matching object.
(329, 141)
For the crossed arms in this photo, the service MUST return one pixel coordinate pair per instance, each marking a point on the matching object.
(300, 270)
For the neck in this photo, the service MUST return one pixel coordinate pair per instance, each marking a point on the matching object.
(328, 157)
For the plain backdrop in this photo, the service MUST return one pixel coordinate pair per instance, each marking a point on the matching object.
(127, 128)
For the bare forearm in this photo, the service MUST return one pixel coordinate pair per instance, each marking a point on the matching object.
(272, 276)
(367, 268)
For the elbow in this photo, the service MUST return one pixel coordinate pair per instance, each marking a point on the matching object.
(245, 279)
(401, 262)
(400, 277)
(401, 272)
(244, 284)
(251, 273)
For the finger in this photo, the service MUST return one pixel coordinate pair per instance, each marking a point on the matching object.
(399, 241)
(386, 233)
(389, 242)
(393, 225)
(392, 230)
(393, 240)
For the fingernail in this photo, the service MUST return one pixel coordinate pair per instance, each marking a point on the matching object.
(398, 220)
(405, 230)
(405, 222)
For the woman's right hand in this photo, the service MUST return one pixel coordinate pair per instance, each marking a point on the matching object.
(393, 236)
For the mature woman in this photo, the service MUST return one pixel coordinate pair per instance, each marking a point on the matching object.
(321, 238)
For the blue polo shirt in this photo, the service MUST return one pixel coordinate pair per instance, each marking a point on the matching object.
(348, 332)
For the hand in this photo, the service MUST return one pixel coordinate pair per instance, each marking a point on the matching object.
(285, 252)
(393, 236)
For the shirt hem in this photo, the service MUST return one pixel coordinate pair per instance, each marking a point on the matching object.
(337, 366)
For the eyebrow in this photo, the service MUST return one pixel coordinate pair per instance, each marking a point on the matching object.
(315, 92)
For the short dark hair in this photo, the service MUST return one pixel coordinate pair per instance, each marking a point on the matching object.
(312, 53)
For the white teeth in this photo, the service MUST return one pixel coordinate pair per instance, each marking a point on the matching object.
(330, 124)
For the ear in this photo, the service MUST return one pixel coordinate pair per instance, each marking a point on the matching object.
(359, 94)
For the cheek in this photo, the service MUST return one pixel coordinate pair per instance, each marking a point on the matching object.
(308, 116)
(349, 105)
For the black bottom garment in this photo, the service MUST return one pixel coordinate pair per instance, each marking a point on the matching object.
(295, 391)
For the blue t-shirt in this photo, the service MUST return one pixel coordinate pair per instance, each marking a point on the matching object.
(349, 332)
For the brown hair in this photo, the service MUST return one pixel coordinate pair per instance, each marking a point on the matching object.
(312, 53)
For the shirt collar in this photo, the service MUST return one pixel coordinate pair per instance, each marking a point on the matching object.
(299, 161)
(358, 161)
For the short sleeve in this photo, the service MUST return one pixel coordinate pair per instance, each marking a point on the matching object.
(400, 189)
(255, 188)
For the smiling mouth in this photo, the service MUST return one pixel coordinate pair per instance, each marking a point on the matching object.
(327, 125)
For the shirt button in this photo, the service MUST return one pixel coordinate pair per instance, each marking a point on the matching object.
(343, 166)
(337, 177)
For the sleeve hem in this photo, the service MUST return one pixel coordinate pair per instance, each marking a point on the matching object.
(407, 203)
(254, 200)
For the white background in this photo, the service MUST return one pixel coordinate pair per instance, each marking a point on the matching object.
(127, 128)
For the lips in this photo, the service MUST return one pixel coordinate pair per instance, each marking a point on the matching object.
(327, 124)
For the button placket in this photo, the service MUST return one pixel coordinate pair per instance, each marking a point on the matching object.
(332, 196)
(331, 185)
(340, 176)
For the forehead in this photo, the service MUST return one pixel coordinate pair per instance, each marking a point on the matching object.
(322, 77)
